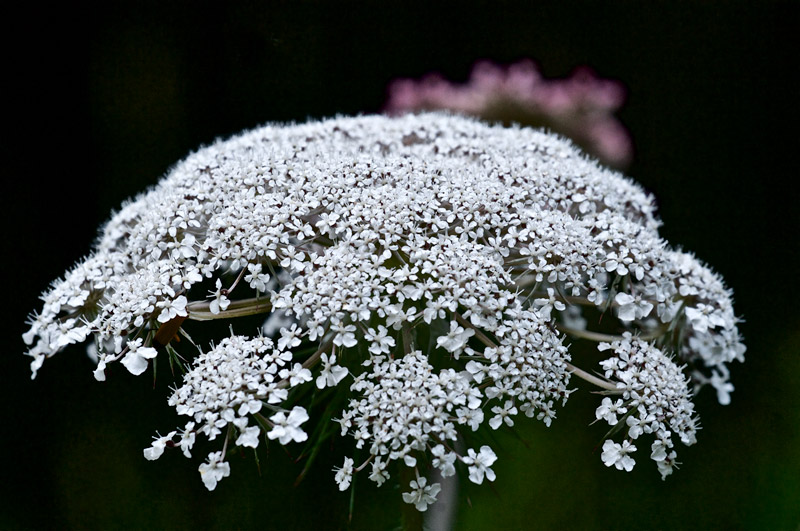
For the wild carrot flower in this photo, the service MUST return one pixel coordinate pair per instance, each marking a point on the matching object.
(426, 269)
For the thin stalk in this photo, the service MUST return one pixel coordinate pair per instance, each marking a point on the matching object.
(478, 333)
(310, 362)
(607, 338)
(227, 438)
(201, 310)
(228, 291)
(599, 382)
(580, 373)
(407, 339)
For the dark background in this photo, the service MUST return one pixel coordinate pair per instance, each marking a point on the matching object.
(99, 105)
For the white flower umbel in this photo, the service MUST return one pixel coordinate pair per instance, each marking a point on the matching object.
(408, 406)
(437, 261)
(655, 399)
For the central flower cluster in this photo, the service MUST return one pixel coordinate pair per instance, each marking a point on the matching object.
(423, 267)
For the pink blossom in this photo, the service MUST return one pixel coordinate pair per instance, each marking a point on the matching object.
(580, 107)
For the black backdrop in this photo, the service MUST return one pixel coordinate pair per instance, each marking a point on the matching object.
(101, 102)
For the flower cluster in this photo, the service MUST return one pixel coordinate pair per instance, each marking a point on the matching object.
(655, 399)
(581, 106)
(225, 388)
(406, 406)
(420, 274)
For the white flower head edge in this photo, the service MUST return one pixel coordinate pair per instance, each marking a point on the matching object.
(426, 266)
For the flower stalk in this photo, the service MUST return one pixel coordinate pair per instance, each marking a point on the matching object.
(201, 310)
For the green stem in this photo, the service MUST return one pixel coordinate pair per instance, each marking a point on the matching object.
(478, 333)
(580, 373)
(235, 282)
(592, 379)
(608, 338)
(407, 339)
(312, 360)
(201, 310)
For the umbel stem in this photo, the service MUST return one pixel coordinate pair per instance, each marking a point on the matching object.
(580, 373)
(201, 310)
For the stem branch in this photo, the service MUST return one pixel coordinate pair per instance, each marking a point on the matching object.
(599, 382)
(201, 310)
(608, 338)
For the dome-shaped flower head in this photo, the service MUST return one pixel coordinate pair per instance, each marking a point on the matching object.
(417, 276)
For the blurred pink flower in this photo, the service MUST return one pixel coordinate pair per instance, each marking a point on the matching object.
(580, 107)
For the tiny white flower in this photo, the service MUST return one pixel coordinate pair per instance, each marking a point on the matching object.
(344, 474)
(631, 308)
(380, 341)
(136, 358)
(456, 339)
(635, 427)
(249, 437)
(157, 448)
(220, 302)
(479, 464)
(666, 465)
(172, 308)
(443, 460)
(345, 335)
(290, 337)
(287, 428)
(331, 373)
(256, 279)
(476, 370)
(250, 407)
(422, 494)
(617, 455)
(546, 305)
(296, 375)
(379, 473)
(608, 410)
(214, 470)
(503, 414)
(187, 439)
(658, 450)
(703, 316)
